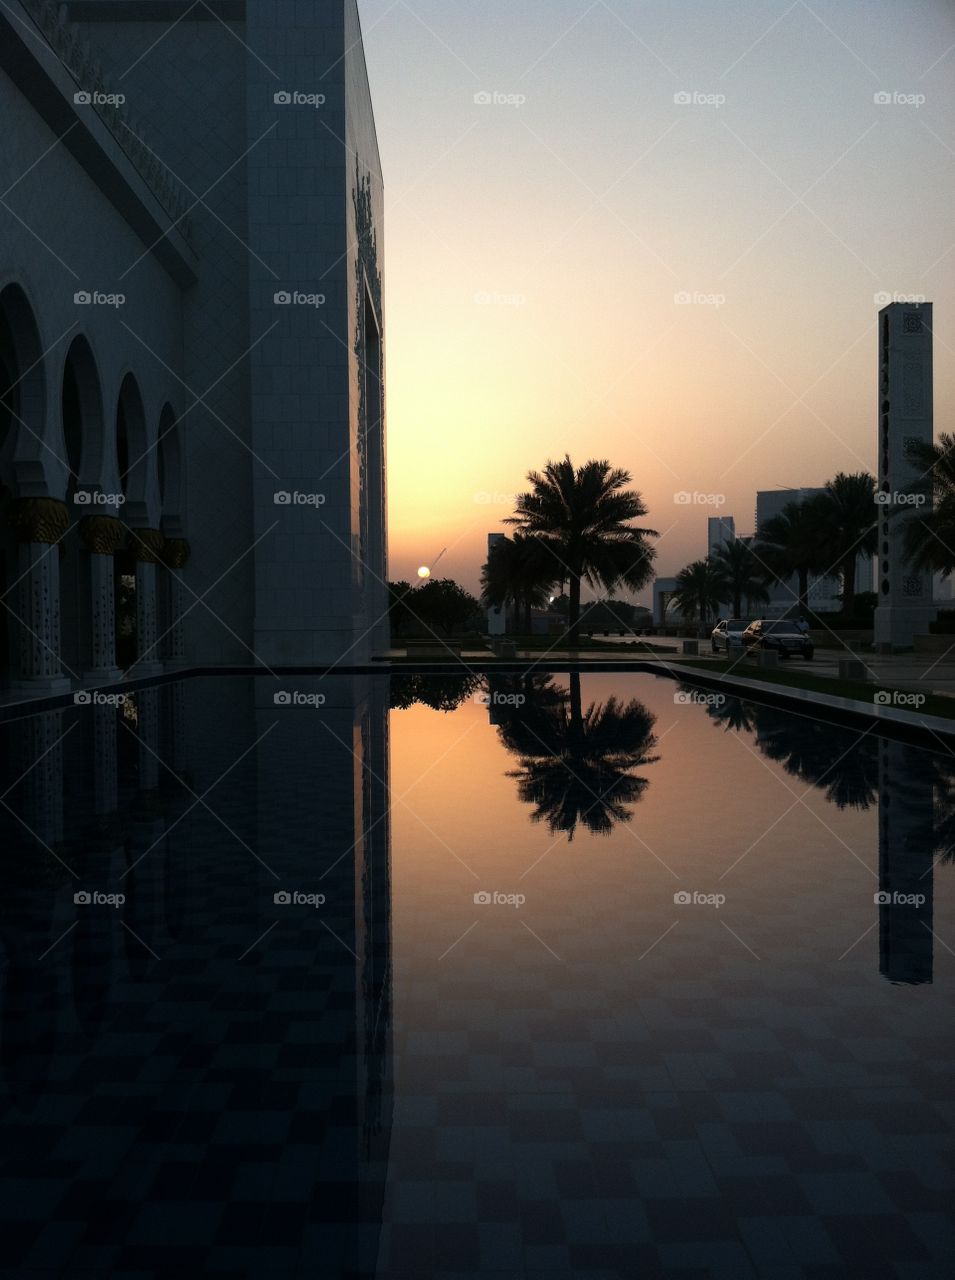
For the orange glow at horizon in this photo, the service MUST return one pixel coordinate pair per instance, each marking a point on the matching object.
(603, 272)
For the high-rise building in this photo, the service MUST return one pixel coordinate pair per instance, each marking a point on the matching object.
(719, 531)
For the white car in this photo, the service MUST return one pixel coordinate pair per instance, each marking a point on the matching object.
(728, 634)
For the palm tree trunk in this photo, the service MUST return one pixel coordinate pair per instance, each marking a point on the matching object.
(849, 584)
(528, 623)
(738, 604)
(576, 706)
(804, 590)
(573, 631)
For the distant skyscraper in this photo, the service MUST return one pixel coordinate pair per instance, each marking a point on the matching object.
(720, 530)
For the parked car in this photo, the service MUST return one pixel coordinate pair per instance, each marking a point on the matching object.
(728, 634)
(785, 637)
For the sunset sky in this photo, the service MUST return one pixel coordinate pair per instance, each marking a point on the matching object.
(537, 246)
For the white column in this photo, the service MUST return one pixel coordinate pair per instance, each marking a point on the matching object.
(146, 544)
(103, 619)
(147, 650)
(40, 667)
(175, 555)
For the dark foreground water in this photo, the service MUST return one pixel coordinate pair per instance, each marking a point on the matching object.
(423, 978)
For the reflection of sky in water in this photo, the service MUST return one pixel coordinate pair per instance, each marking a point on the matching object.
(600, 1067)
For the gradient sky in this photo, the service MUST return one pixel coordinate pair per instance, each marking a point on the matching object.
(535, 251)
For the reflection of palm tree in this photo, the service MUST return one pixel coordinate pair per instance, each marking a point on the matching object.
(575, 765)
(835, 760)
(943, 776)
(441, 692)
(733, 714)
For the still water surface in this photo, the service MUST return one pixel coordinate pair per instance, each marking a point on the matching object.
(552, 976)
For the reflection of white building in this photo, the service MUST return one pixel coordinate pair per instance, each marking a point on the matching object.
(120, 784)
(191, 337)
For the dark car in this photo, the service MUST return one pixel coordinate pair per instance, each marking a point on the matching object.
(728, 634)
(785, 637)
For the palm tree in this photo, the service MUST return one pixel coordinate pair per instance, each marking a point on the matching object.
(742, 575)
(699, 590)
(519, 571)
(795, 542)
(930, 532)
(582, 516)
(852, 527)
(576, 766)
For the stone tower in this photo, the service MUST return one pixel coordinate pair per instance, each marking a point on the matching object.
(905, 420)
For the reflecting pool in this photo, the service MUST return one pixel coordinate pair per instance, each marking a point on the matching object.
(520, 976)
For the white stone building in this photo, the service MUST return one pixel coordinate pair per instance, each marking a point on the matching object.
(191, 338)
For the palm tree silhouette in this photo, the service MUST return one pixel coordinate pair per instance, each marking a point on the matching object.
(699, 588)
(929, 532)
(851, 527)
(582, 516)
(576, 767)
(795, 542)
(742, 577)
(519, 571)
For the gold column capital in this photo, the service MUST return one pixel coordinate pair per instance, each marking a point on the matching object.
(145, 544)
(103, 535)
(38, 519)
(175, 553)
